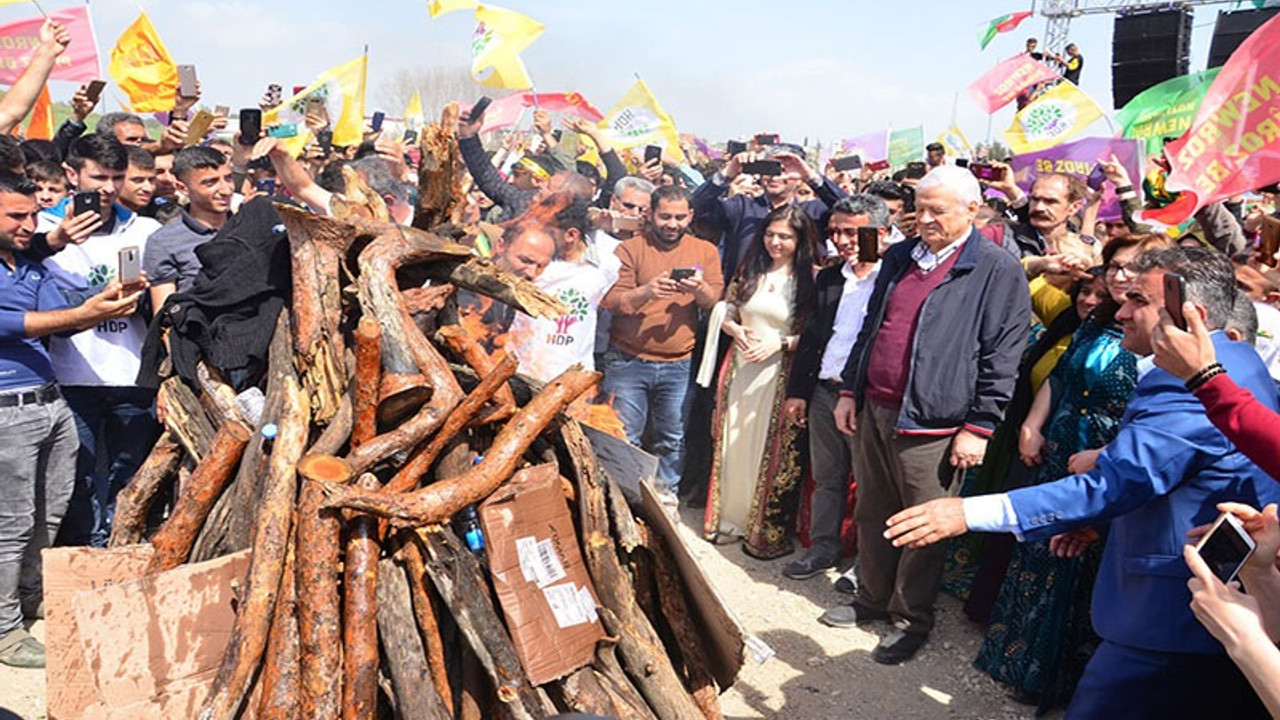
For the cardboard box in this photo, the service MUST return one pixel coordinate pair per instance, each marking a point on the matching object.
(538, 573)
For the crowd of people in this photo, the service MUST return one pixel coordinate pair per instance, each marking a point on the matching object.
(865, 364)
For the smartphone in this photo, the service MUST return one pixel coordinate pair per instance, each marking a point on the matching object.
(85, 202)
(1269, 240)
(274, 94)
(198, 127)
(1096, 178)
(94, 90)
(250, 126)
(477, 110)
(767, 139)
(266, 186)
(627, 223)
(221, 111)
(868, 244)
(915, 170)
(989, 173)
(849, 162)
(187, 81)
(962, 162)
(679, 274)
(763, 167)
(286, 130)
(325, 139)
(375, 122)
(130, 265)
(734, 147)
(1175, 293)
(410, 137)
(1226, 547)
(651, 153)
(877, 165)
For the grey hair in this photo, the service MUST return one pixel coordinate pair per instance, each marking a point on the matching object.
(863, 204)
(631, 182)
(1209, 277)
(1244, 319)
(956, 179)
(380, 178)
(108, 122)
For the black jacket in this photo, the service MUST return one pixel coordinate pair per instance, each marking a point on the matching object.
(968, 342)
(817, 332)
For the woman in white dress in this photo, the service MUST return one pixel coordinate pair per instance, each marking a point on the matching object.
(760, 459)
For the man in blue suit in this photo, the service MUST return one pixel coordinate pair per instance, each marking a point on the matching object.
(1164, 473)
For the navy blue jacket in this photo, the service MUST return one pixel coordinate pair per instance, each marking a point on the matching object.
(968, 342)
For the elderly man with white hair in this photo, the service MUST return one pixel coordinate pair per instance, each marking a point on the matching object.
(924, 387)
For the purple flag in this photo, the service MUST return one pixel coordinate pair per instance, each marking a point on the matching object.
(1078, 158)
(870, 147)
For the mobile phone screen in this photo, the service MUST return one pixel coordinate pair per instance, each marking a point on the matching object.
(1175, 291)
(868, 244)
(1226, 548)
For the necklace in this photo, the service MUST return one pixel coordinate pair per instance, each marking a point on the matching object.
(774, 278)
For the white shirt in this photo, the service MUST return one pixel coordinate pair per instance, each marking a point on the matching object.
(1268, 342)
(928, 259)
(850, 314)
(547, 348)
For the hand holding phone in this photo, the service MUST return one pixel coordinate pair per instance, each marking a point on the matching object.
(682, 273)
(477, 110)
(868, 244)
(849, 162)
(250, 126)
(94, 90)
(1096, 178)
(763, 167)
(130, 269)
(915, 170)
(1226, 547)
(652, 153)
(187, 81)
(1175, 293)
(375, 122)
(86, 201)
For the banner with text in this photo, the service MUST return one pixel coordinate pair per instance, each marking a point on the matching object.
(906, 145)
(1164, 110)
(19, 40)
(1003, 83)
(1078, 158)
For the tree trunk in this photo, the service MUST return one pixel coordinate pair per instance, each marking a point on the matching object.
(134, 501)
(406, 661)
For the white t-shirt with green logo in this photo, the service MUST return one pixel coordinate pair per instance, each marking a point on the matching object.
(547, 348)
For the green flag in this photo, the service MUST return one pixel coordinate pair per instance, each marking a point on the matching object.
(906, 145)
(1164, 110)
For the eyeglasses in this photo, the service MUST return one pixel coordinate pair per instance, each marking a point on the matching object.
(1115, 268)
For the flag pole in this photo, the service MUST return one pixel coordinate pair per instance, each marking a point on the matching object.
(41, 9)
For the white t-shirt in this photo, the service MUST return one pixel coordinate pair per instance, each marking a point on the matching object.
(108, 354)
(547, 348)
(1268, 343)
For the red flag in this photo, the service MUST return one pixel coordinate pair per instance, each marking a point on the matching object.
(505, 112)
(1233, 145)
(41, 125)
(78, 64)
(1002, 83)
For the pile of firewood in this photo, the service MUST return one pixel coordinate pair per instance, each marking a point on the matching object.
(360, 601)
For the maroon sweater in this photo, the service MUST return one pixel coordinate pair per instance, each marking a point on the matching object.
(889, 366)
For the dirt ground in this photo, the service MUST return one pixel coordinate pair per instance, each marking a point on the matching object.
(817, 672)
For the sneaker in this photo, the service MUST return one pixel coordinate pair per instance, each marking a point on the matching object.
(33, 610)
(847, 583)
(851, 615)
(21, 650)
(807, 566)
(898, 647)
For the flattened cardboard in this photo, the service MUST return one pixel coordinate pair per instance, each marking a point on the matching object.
(548, 602)
(68, 570)
(155, 637)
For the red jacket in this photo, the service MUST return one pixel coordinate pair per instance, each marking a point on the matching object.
(1247, 423)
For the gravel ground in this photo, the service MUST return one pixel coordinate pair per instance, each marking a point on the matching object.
(818, 672)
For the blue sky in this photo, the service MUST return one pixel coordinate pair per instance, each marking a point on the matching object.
(722, 68)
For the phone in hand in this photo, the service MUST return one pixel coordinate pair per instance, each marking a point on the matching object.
(477, 110)
(651, 153)
(1269, 239)
(988, 173)
(1096, 178)
(410, 137)
(130, 265)
(187, 81)
(375, 122)
(1175, 293)
(849, 162)
(86, 201)
(762, 167)
(250, 126)
(1226, 547)
(878, 165)
(626, 223)
(767, 139)
(198, 127)
(682, 273)
(266, 186)
(735, 147)
(325, 139)
(94, 90)
(868, 244)
(915, 170)
(962, 162)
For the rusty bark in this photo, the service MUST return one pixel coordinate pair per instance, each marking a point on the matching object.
(359, 613)
(319, 605)
(406, 661)
(134, 501)
(185, 418)
(424, 610)
(471, 352)
(280, 671)
(368, 379)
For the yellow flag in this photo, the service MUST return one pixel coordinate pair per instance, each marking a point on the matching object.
(500, 36)
(440, 7)
(638, 119)
(1051, 119)
(337, 94)
(414, 118)
(955, 142)
(143, 69)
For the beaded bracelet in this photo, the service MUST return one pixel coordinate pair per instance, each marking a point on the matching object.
(1195, 382)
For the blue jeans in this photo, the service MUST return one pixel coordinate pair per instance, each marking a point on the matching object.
(117, 428)
(651, 396)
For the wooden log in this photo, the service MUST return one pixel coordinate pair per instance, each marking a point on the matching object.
(218, 398)
(319, 605)
(280, 679)
(134, 501)
(456, 575)
(474, 694)
(274, 519)
(173, 540)
(442, 500)
(318, 247)
(473, 354)
(482, 276)
(359, 613)
(441, 173)
(587, 690)
(337, 432)
(629, 701)
(679, 617)
(406, 660)
(424, 610)
(368, 376)
(641, 651)
(357, 200)
(427, 299)
(185, 418)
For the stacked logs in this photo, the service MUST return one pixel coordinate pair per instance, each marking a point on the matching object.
(360, 601)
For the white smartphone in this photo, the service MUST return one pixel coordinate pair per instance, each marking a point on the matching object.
(130, 265)
(1226, 547)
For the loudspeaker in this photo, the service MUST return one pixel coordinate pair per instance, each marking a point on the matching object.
(1147, 49)
(1231, 30)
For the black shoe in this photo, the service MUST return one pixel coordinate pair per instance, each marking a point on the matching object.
(807, 566)
(847, 583)
(898, 647)
(855, 613)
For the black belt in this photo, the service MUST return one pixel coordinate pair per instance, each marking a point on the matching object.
(836, 385)
(39, 396)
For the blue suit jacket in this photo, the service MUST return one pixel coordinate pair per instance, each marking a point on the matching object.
(1164, 473)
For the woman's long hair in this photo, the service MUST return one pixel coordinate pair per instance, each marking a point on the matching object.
(756, 262)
